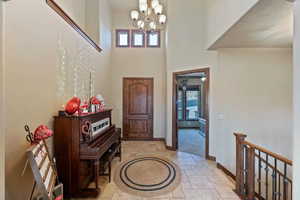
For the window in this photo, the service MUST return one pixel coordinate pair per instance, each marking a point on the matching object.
(188, 108)
(192, 108)
(153, 39)
(180, 105)
(122, 38)
(137, 38)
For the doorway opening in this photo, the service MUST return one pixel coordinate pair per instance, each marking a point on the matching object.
(190, 111)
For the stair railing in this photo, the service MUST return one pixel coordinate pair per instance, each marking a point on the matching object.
(260, 173)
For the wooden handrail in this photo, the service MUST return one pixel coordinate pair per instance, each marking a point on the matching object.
(261, 169)
(275, 155)
(271, 166)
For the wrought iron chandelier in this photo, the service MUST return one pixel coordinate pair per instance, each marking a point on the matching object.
(149, 16)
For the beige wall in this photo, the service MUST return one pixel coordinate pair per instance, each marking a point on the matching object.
(32, 32)
(138, 62)
(92, 19)
(296, 89)
(185, 47)
(2, 122)
(75, 9)
(253, 96)
(85, 14)
(221, 15)
(186, 50)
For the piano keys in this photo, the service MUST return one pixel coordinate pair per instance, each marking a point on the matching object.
(79, 143)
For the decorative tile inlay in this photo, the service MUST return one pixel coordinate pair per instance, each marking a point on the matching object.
(165, 174)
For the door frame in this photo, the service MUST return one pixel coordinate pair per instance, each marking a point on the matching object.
(206, 109)
(123, 110)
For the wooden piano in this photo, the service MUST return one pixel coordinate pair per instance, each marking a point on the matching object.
(79, 143)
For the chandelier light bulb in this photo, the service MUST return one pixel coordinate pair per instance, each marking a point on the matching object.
(154, 3)
(142, 2)
(152, 25)
(158, 9)
(134, 15)
(149, 15)
(143, 7)
(162, 19)
(141, 24)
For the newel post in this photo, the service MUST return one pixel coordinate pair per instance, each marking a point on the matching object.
(240, 176)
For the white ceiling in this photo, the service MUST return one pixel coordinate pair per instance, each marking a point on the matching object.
(268, 24)
(126, 5)
(123, 5)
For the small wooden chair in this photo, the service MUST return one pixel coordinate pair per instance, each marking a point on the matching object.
(44, 173)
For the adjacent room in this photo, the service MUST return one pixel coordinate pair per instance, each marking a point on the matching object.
(191, 107)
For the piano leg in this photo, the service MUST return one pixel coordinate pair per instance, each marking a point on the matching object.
(120, 152)
(109, 170)
(96, 172)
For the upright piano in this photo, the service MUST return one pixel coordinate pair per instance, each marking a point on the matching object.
(79, 144)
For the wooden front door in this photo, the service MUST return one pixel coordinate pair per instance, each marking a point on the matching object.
(138, 108)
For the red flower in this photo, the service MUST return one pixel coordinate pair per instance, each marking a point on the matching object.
(95, 101)
(42, 132)
(73, 106)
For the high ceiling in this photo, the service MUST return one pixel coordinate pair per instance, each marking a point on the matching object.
(126, 5)
(268, 24)
(123, 5)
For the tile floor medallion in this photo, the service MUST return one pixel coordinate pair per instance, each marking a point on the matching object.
(200, 179)
(147, 176)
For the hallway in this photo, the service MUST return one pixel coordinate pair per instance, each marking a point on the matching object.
(200, 179)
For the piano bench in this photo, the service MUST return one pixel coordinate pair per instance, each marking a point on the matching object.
(107, 158)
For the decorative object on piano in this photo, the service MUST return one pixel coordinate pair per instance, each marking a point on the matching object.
(134, 177)
(84, 109)
(73, 106)
(44, 172)
(101, 99)
(91, 85)
(95, 105)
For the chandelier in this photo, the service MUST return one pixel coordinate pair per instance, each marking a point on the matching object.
(150, 15)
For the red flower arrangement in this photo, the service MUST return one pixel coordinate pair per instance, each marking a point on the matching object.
(73, 105)
(41, 133)
(95, 101)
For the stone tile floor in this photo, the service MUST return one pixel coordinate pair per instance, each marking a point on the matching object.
(191, 141)
(200, 179)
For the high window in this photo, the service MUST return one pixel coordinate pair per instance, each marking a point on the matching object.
(153, 39)
(123, 38)
(137, 38)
